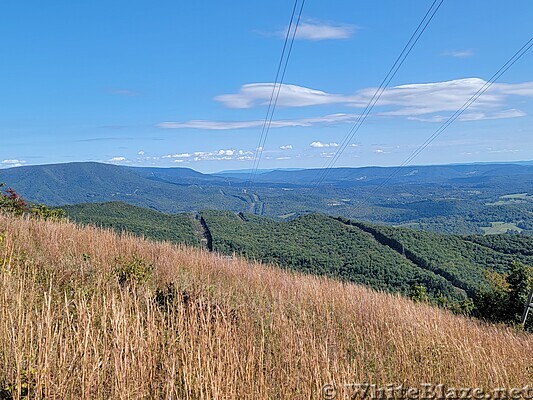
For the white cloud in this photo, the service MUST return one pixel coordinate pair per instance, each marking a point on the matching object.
(117, 159)
(179, 155)
(319, 145)
(381, 151)
(257, 94)
(283, 158)
(217, 155)
(286, 147)
(316, 30)
(474, 116)
(11, 163)
(504, 151)
(331, 119)
(458, 53)
(511, 113)
(410, 100)
(141, 153)
(428, 98)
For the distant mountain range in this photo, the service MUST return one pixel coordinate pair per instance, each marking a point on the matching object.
(445, 198)
(376, 175)
(84, 173)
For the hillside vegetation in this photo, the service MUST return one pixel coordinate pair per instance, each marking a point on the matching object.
(450, 267)
(177, 228)
(462, 262)
(318, 244)
(86, 313)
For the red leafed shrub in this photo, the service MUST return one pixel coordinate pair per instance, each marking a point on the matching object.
(11, 202)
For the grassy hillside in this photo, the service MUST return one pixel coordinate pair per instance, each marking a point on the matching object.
(177, 228)
(85, 313)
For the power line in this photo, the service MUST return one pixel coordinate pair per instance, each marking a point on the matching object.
(516, 56)
(428, 17)
(273, 91)
(282, 68)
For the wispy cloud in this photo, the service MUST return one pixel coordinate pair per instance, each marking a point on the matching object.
(217, 155)
(320, 145)
(331, 119)
(286, 147)
(11, 163)
(123, 92)
(104, 139)
(474, 116)
(178, 155)
(511, 113)
(410, 100)
(458, 53)
(259, 94)
(117, 159)
(504, 151)
(312, 29)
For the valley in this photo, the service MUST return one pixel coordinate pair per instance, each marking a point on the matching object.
(459, 199)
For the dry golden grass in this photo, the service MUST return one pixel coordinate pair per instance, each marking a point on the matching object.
(69, 330)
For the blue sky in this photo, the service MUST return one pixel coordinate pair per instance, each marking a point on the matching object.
(172, 83)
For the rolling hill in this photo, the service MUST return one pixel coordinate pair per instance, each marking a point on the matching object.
(453, 199)
(176, 228)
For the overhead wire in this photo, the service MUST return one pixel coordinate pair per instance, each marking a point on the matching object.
(420, 29)
(486, 86)
(278, 83)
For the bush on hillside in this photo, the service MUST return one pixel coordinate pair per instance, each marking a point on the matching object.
(132, 271)
(505, 300)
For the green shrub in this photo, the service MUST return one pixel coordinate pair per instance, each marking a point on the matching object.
(42, 211)
(505, 300)
(133, 271)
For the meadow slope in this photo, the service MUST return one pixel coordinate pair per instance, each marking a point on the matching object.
(86, 313)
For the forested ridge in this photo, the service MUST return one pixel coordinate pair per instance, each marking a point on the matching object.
(177, 228)
(320, 245)
(385, 258)
(467, 199)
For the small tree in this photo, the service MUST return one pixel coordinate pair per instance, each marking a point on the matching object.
(520, 280)
(419, 294)
(42, 211)
(504, 301)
